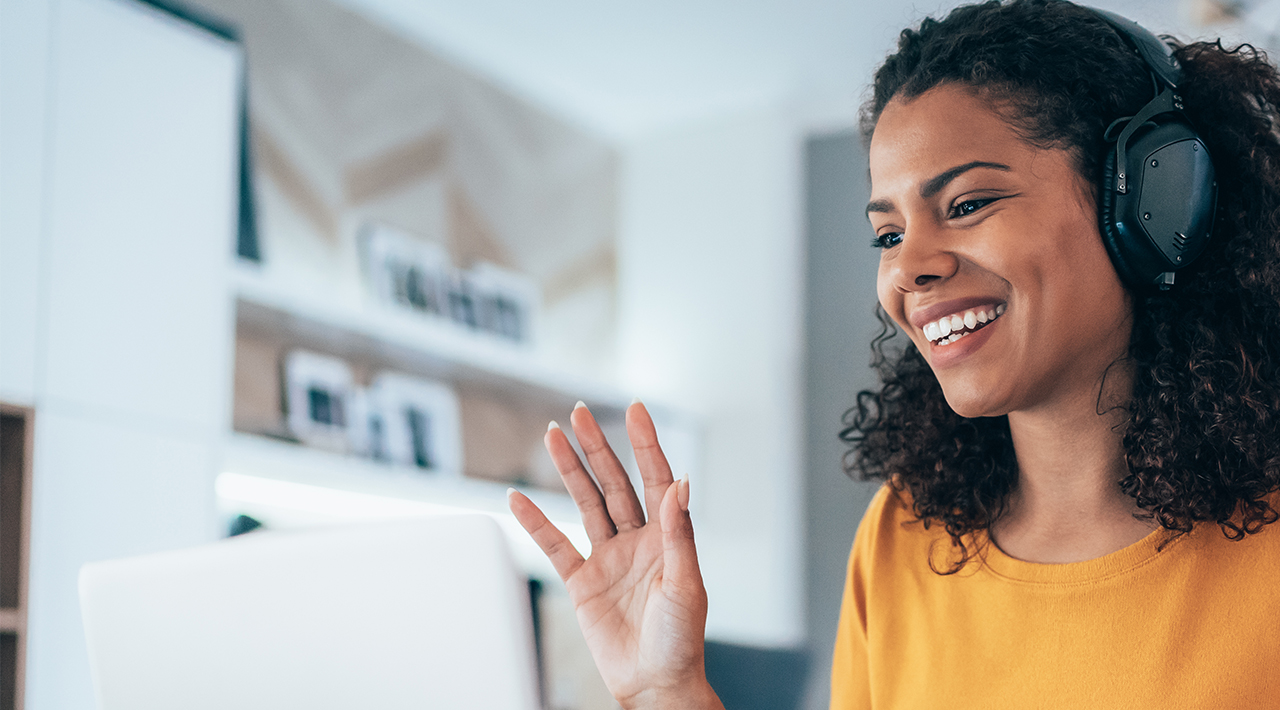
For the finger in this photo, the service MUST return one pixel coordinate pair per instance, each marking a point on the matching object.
(583, 490)
(680, 573)
(654, 470)
(554, 544)
(619, 495)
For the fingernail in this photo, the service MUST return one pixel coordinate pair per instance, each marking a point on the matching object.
(552, 425)
(636, 400)
(683, 494)
(580, 405)
(510, 492)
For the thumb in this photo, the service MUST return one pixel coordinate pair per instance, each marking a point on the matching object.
(680, 573)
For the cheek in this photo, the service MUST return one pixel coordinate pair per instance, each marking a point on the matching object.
(1070, 282)
(1059, 255)
(1078, 247)
(1082, 267)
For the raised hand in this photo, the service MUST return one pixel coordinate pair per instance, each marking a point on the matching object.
(639, 598)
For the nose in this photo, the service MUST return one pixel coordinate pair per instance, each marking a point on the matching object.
(922, 261)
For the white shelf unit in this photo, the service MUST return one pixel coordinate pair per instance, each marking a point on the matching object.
(289, 485)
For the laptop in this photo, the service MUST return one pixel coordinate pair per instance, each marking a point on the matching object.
(428, 613)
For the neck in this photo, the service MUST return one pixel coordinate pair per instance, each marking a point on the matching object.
(1068, 506)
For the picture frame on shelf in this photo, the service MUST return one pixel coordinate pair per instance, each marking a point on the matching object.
(317, 399)
(406, 271)
(419, 423)
(506, 302)
(462, 300)
(367, 433)
(413, 273)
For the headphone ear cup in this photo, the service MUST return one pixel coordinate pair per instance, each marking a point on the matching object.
(1165, 220)
(1111, 237)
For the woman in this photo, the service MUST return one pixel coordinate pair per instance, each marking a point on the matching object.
(1081, 471)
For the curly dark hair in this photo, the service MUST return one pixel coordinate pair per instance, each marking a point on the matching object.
(1202, 431)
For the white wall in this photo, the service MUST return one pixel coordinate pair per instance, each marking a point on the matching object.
(116, 316)
(710, 318)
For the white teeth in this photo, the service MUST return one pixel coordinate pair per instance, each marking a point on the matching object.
(949, 329)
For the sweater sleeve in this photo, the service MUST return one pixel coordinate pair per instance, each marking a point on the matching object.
(850, 677)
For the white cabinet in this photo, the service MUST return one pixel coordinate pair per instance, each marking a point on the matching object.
(24, 50)
(133, 337)
(141, 213)
(101, 490)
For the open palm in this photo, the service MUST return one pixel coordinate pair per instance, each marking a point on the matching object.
(639, 598)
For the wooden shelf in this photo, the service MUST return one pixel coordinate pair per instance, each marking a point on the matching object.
(17, 438)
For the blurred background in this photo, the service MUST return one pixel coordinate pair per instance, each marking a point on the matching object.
(290, 263)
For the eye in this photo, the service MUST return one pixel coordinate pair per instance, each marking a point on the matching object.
(886, 240)
(968, 207)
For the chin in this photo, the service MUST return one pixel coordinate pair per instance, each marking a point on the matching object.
(970, 403)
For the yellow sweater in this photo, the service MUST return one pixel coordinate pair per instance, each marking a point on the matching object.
(1194, 625)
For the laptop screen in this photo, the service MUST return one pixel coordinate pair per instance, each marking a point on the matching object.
(427, 613)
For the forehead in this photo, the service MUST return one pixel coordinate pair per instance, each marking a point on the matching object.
(946, 126)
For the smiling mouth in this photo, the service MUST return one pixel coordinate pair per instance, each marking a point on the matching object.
(949, 329)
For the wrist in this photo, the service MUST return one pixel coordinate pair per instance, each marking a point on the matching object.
(693, 695)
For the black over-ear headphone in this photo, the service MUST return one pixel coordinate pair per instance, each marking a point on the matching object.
(1158, 192)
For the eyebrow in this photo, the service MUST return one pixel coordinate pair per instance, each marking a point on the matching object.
(935, 184)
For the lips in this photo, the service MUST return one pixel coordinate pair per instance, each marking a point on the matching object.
(957, 343)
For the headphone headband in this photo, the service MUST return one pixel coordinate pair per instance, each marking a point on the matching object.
(1157, 55)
